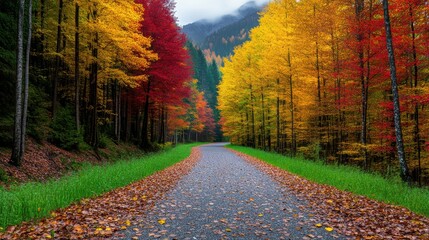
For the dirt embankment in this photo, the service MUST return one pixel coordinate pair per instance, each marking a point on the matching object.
(44, 161)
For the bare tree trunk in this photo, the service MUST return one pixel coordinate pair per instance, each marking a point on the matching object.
(27, 79)
(359, 6)
(405, 175)
(16, 157)
(263, 120)
(57, 60)
(253, 118)
(416, 107)
(292, 106)
(76, 69)
(278, 117)
(145, 139)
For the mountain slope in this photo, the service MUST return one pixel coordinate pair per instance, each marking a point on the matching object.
(224, 40)
(198, 31)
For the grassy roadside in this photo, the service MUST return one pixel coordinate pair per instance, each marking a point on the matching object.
(349, 179)
(36, 200)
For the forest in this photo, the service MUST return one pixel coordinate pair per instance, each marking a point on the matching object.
(79, 72)
(322, 80)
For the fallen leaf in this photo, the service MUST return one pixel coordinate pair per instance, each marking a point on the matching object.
(260, 215)
(228, 230)
(77, 228)
(318, 225)
(161, 221)
(128, 222)
(329, 229)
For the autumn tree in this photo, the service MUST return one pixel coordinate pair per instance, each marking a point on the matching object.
(314, 80)
(167, 75)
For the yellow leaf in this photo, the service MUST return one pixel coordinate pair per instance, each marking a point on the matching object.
(123, 227)
(161, 221)
(39, 209)
(319, 225)
(98, 229)
(134, 198)
(228, 229)
(1, 229)
(53, 214)
(108, 229)
(329, 201)
(128, 222)
(260, 215)
(329, 229)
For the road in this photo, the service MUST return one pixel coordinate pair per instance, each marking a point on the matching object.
(225, 197)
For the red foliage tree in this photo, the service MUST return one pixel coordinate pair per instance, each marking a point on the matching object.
(165, 85)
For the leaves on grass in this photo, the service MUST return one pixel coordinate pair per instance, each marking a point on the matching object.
(102, 216)
(329, 229)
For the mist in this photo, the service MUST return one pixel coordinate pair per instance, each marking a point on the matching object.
(188, 11)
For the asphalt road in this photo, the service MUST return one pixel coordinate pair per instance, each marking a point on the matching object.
(225, 197)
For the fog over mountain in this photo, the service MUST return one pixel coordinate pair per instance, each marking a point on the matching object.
(198, 31)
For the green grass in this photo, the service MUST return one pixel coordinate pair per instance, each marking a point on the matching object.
(349, 179)
(37, 200)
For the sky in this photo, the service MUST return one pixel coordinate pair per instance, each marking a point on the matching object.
(188, 11)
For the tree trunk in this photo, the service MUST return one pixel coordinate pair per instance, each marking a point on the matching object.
(27, 78)
(359, 6)
(145, 139)
(253, 118)
(278, 117)
(16, 157)
(76, 69)
(263, 121)
(292, 106)
(57, 60)
(416, 105)
(161, 139)
(93, 93)
(405, 175)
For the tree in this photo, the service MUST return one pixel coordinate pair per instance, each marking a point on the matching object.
(22, 75)
(167, 75)
(17, 151)
(397, 112)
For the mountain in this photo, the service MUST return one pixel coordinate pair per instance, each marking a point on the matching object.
(197, 32)
(223, 41)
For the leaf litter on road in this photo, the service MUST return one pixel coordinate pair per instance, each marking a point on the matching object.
(349, 214)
